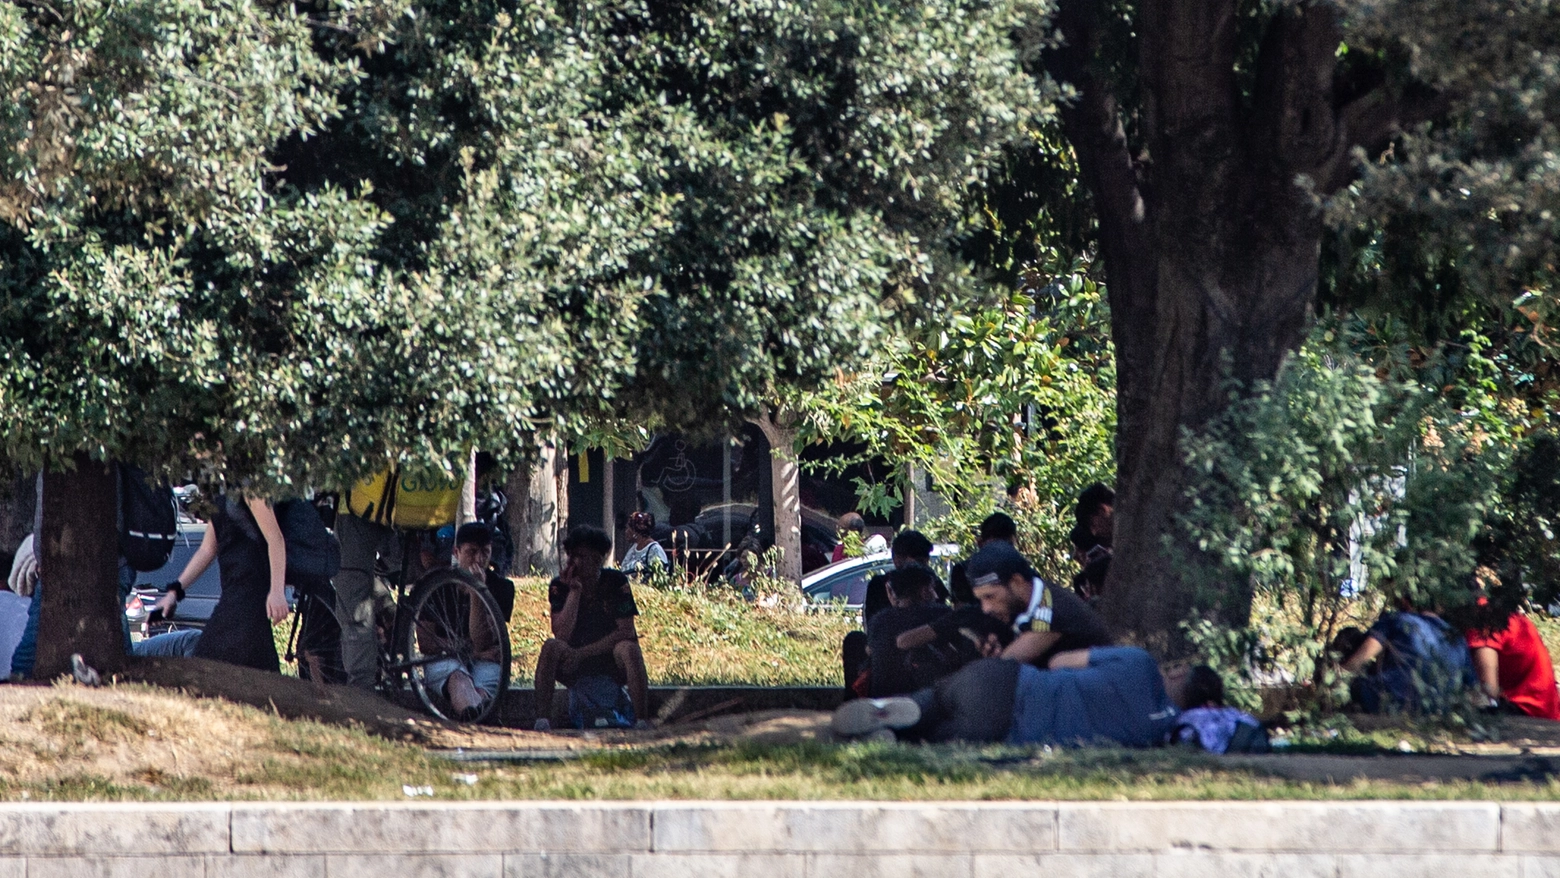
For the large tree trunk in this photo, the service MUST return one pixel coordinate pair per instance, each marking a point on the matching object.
(786, 493)
(79, 570)
(1211, 254)
(534, 515)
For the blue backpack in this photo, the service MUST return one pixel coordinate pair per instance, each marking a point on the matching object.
(598, 702)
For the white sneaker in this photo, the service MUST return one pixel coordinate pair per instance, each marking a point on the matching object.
(863, 716)
(542, 725)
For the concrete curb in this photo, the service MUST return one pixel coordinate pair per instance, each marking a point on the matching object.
(791, 839)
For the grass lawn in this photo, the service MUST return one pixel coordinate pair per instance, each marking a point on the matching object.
(700, 636)
(133, 743)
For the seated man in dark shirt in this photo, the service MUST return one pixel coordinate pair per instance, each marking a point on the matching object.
(913, 602)
(909, 547)
(469, 682)
(1045, 620)
(593, 630)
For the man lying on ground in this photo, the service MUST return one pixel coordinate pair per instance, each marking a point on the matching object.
(1103, 695)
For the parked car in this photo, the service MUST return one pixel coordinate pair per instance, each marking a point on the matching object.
(848, 578)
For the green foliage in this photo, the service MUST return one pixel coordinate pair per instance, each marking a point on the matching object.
(1348, 483)
(290, 242)
(1015, 398)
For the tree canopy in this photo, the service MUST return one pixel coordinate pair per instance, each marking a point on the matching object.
(293, 241)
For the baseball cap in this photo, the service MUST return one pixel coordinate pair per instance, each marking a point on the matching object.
(996, 562)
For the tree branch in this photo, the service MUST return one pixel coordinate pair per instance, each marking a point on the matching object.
(1092, 121)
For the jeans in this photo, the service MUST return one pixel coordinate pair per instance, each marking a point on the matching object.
(484, 675)
(174, 644)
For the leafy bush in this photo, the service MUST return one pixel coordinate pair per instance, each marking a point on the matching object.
(1345, 484)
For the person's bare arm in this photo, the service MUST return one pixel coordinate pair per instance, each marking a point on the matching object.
(194, 569)
(1363, 656)
(276, 608)
(563, 620)
(1072, 658)
(915, 638)
(1029, 646)
(1486, 664)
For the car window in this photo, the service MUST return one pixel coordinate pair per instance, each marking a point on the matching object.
(851, 586)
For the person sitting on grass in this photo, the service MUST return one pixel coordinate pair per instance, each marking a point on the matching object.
(593, 629)
(960, 636)
(1410, 661)
(468, 684)
(1045, 620)
(1510, 662)
(998, 527)
(1113, 695)
(909, 547)
(913, 602)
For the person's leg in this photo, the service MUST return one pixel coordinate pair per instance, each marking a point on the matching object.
(546, 677)
(631, 662)
(174, 644)
(26, 654)
(853, 653)
(360, 544)
(485, 677)
(973, 704)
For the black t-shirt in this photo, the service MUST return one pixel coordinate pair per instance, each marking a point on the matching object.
(962, 630)
(891, 670)
(1077, 622)
(503, 591)
(596, 619)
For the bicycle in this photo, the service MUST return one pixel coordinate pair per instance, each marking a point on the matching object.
(446, 621)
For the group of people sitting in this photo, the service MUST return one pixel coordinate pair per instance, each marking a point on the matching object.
(1417, 660)
(1015, 660)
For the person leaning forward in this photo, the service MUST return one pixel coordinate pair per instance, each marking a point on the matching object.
(593, 629)
(1045, 620)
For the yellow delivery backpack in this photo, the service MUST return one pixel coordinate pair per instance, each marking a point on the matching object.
(414, 502)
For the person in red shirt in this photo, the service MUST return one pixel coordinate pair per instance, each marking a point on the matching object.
(1512, 664)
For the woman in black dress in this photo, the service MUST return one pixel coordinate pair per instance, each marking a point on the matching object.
(245, 539)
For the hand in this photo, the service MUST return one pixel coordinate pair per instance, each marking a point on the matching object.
(166, 604)
(991, 647)
(276, 608)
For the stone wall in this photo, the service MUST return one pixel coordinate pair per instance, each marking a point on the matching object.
(764, 839)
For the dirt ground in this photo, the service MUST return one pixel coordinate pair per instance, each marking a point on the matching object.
(133, 733)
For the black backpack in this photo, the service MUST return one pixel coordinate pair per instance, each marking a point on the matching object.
(148, 521)
(313, 553)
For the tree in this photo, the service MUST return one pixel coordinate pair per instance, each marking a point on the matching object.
(1015, 397)
(285, 244)
(1220, 139)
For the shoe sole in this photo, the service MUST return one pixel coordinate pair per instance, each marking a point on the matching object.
(867, 715)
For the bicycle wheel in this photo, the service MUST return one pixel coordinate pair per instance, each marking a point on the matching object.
(451, 625)
(315, 641)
